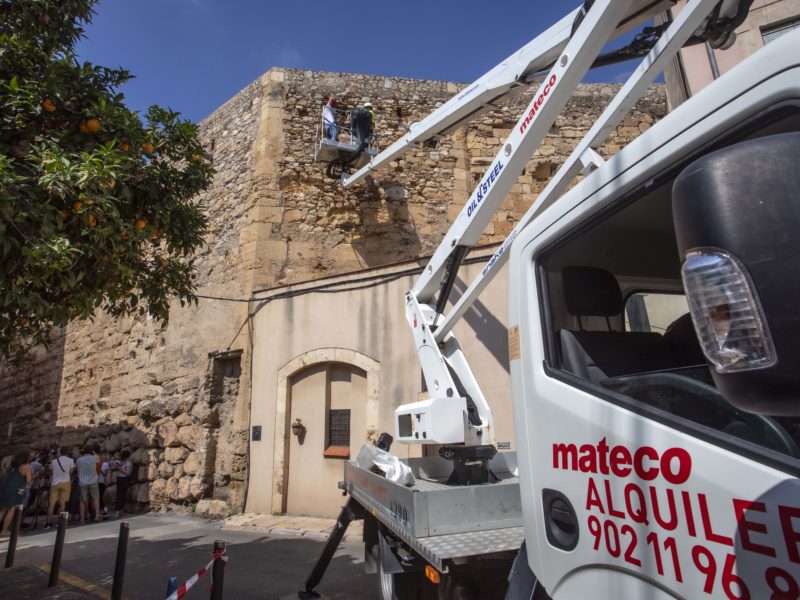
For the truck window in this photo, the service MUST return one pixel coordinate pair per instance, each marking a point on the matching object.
(653, 311)
(644, 349)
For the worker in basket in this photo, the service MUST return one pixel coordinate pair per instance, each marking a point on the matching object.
(329, 119)
(363, 121)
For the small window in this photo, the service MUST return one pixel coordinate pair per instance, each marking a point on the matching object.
(773, 32)
(339, 427)
(346, 384)
(653, 311)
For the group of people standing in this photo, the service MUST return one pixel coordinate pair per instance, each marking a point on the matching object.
(76, 482)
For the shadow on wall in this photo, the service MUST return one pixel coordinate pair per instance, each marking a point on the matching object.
(111, 438)
(30, 395)
(488, 328)
(185, 447)
(385, 232)
(165, 466)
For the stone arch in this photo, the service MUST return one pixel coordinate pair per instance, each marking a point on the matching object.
(280, 474)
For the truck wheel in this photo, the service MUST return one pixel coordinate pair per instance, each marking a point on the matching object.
(398, 586)
(387, 583)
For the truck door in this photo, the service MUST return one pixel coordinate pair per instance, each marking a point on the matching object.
(638, 479)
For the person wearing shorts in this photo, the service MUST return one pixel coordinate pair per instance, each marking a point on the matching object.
(86, 466)
(60, 486)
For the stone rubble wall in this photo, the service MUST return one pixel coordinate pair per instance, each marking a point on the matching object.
(28, 398)
(404, 210)
(178, 398)
(126, 383)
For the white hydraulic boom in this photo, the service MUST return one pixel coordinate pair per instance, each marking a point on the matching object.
(515, 73)
(455, 410)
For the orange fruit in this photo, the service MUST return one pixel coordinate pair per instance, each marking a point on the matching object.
(109, 185)
(49, 105)
(77, 206)
(148, 148)
(141, 224)
(83, 128)
(91, 221)
(93, 125)
(124, 146)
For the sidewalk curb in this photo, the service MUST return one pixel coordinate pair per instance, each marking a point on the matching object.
(314, 528)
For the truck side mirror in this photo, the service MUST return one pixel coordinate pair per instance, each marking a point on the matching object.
(737, 222)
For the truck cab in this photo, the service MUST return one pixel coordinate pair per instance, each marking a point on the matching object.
(639, 475)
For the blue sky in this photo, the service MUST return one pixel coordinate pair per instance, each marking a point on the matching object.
(192, 55)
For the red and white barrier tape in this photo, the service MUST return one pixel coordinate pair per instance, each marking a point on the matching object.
(184, 587)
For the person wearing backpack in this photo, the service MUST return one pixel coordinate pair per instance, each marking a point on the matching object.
(60, 482)
(361, 126)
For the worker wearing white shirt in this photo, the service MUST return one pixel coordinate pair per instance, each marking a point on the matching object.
(329, 118)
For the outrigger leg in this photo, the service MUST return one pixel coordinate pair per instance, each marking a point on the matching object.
(351, 511)
(347, 516)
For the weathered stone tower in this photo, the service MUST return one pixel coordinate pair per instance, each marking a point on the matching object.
(179, 398)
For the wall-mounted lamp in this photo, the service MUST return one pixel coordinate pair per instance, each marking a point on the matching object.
(299, 429)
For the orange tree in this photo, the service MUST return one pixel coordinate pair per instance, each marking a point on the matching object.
(97, 207)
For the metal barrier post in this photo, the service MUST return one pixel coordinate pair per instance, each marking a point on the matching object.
(172, 586)
(58, 549)
(12, 542)
(218, 571)
(119, 566)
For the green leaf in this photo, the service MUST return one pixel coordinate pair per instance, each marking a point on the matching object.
(72, 245)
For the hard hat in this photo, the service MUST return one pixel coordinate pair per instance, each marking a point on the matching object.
(367, 104)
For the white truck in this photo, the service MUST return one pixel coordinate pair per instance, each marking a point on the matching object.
(649, 464)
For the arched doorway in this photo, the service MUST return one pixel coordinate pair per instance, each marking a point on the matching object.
(333, 393)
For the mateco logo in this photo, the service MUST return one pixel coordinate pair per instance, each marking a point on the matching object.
(551, 83)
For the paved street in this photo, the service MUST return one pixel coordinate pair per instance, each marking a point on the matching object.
(268, 558)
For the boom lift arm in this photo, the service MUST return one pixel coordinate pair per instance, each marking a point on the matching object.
(455, 411)
(515, 74)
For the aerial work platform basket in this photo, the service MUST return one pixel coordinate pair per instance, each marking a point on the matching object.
(342, 143)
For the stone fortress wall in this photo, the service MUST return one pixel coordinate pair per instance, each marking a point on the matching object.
(179, 397)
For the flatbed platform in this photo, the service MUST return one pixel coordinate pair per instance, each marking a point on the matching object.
(327, 150)
(443, 522)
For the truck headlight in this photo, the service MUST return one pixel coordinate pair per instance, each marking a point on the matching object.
(726, 312)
